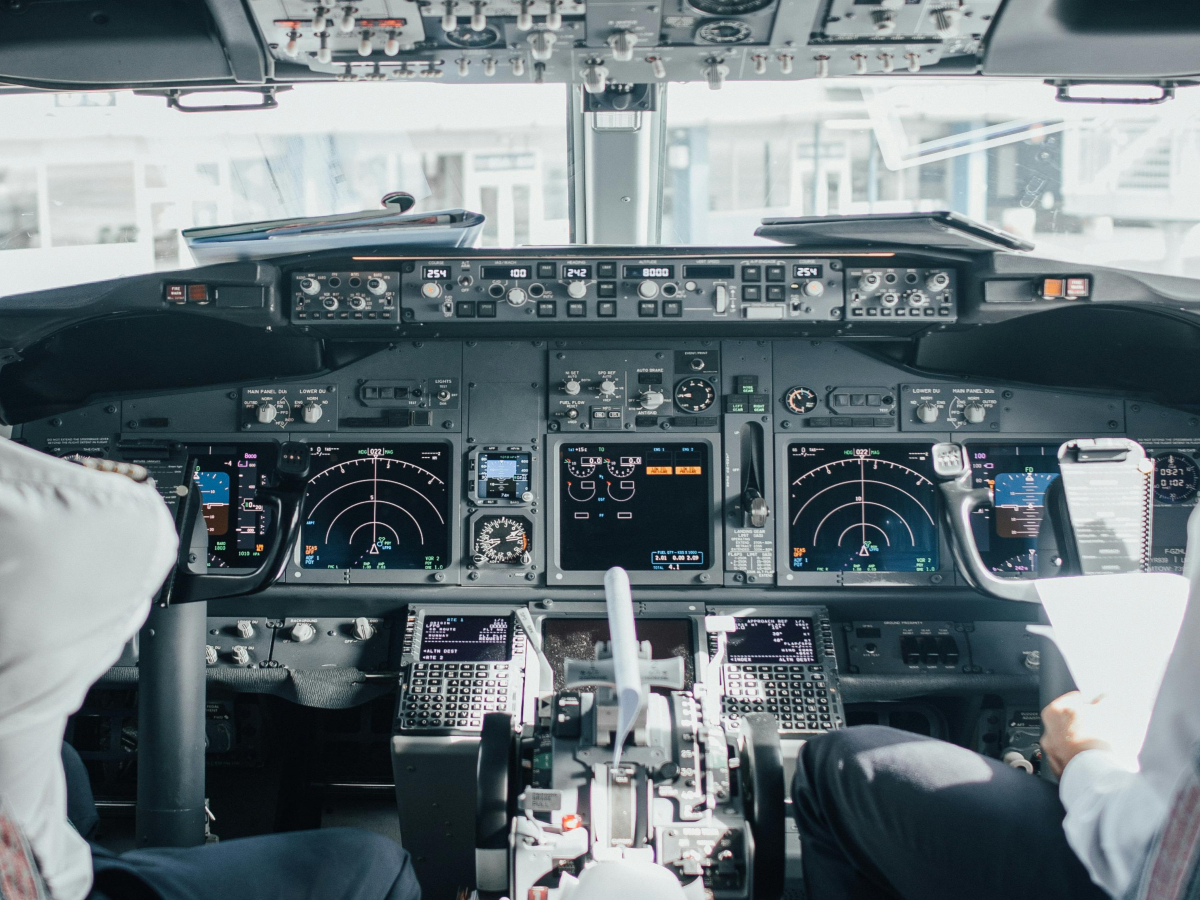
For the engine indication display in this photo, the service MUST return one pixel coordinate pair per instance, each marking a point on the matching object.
(1018, 477)
(780, 640)
(644, 507)
(236, 522)
(377, 507)
(862, 509)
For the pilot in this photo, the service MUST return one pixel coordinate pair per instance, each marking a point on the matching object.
(887, 814)
(81, 555)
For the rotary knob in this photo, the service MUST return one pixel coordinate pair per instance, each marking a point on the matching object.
(265, 412)
(937, 282)
(647, 290)
(377, 286)
(312, 411)
(210, 655)
(303, 632)
(241, 656)
(245, 628)
(363, 629)
(917, 298)
(310, 286)
(571, 387)
(431, 289)
(608, 388)
(974, 412)
(516, 296)
(577, 290)
(814, 288)
(870, 281)
(927, 412)
(651, 400)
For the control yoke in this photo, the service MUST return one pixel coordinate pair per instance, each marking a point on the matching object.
(282, 502)
(1100, 509)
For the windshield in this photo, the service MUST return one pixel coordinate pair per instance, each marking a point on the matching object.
(100, 185)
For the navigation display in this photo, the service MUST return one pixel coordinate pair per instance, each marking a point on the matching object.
(502, 476)
(377, 506)
(782, 640)
(856, 508)
(571, 638)
(236, 522)
(644, 507)
(1018, 476)
(466, 639)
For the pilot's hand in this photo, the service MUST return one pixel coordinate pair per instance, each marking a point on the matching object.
(1068, 724)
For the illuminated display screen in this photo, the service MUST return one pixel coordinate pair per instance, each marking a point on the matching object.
(377, 506)
(504, 273)
(807, 271)
(644, 507)
(435, 273)
(1018, 477)
(236, 522)
(466, 639)
(708, 271)
(502, 476)
(649, 271)
(855, 508)
(577, 272)
(571, 638)
(780, 640)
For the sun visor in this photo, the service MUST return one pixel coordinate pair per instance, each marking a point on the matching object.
(132, 42)
(1104, 39)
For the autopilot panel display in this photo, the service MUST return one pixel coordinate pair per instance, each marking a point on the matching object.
(771, 640)
(572, 638)
(377, 506)
(643, 507)
(466, 639)
(856, 508)
(1018, 476)
(236, 522)
(502, 476)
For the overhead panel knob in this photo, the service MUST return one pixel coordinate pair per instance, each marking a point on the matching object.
(927, 412)
(657, 66)
(489, 67)
(478, 17)
(241, 656)
(715, 73)
(346, 25)
(303, 632)
(554, 19)
(265, 412)
(392, 46)
(364, 46)
(595, 77)
(210, 655)
(945, 21)
(622, 43)
(651, 400)
(324, 53)
(541, 45)
(518, 66)
(292, 47)
(524, 17)
(245, 628)
(449, 20)
(363, 629)
(974, 412)
(884, 21)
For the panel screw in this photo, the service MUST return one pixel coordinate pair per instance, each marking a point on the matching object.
(132, 423)
(110, 409)
(786, 423)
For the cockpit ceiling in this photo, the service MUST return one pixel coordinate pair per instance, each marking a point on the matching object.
(595, 43)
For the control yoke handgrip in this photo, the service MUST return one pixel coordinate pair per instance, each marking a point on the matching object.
(951, 464)
(284, 502)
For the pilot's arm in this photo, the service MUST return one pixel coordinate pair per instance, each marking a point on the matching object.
(1113, 815)
(82, 553)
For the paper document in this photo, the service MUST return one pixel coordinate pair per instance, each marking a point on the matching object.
(1116, 633)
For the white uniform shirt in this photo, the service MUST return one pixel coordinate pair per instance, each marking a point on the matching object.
(82, 554)
(1113, 814)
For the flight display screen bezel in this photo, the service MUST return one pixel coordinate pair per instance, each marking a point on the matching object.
(485, 489)
(300, 574)
(234, 559)
(692, 574)
(1010, 554)
(934, 554)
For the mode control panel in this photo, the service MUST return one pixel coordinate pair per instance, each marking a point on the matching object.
(344, 297)
(647, 290)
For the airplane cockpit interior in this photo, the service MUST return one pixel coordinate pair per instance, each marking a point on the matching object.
(887, 313)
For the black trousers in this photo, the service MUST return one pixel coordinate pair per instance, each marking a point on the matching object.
(886, 814)
(328, 864)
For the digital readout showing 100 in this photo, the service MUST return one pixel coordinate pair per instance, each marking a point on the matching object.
(504, 273)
